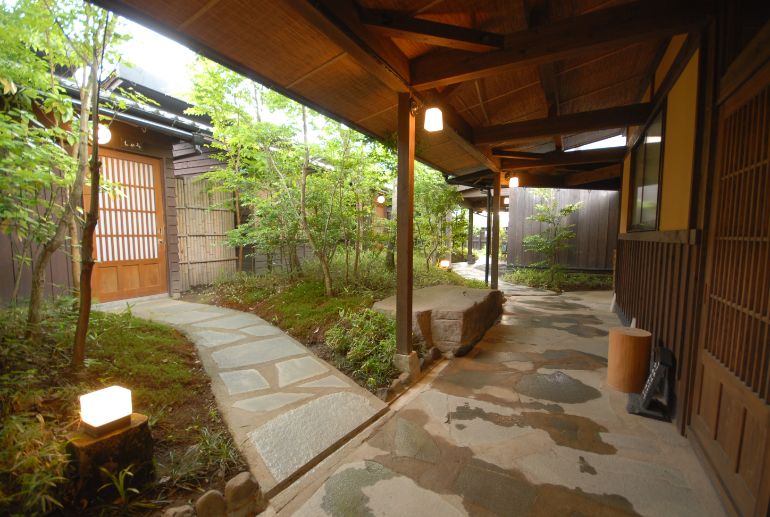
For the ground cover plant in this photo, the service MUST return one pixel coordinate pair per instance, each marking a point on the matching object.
(39, 407)
(560, 280)
(298, 305)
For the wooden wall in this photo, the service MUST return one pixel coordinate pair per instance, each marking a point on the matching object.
(596, 227)
(204, 219)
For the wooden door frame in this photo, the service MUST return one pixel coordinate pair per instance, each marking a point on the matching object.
(159, 189)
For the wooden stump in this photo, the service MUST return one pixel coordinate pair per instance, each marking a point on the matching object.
(628, 358)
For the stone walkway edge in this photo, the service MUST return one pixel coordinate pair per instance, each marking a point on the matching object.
(286, 409)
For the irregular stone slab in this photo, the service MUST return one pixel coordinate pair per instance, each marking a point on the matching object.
(297, 370)
(285, 443)
(185, 318)
(242, 381)
(411, 441)
(209, 338)
(332, 381)
(262, 330)
(458, 316)
(256, 352)
(556, 387)
(232, 322)
(271, 402)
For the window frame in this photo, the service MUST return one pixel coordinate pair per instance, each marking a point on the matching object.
(635, 227)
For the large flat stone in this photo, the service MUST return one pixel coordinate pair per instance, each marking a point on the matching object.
(458, 316)
(243, 381)
(185, 318)
(233, 322)
(285, 443)
(331, 381)
(210, 338)
(262, 330)
(270, 402)
(296, 370)
(257, 352)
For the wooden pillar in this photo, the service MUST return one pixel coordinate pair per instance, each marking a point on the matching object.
(495, 232)
(404, 221)
(489, 237)
(469, 258)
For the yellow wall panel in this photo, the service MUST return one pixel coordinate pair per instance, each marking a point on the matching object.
(678, 152)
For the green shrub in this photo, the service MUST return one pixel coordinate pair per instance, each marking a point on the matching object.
(562, 281)
(367, 341)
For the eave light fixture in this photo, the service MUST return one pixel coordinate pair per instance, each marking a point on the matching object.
(434, 120)
(506, 201)
(103, 135)
(513, 182)
(444, 264)
(381, 199)
(106, 410)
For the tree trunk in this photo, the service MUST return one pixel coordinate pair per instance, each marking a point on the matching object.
(359, 237)
(237, 225)
(328, 289)
(75, 257)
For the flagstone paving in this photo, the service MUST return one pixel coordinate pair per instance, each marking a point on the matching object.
(285, 407)
(524, 425)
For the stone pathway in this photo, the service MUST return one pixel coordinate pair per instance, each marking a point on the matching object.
(285, 407)
(476, 272)
(523, 425)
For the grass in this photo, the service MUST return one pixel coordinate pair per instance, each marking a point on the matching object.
(565, 281)
(38, 407)
(299, 306)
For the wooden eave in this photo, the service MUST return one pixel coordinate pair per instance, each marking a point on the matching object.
(525, 76)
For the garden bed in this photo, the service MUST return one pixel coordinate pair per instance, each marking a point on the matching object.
(39, 394)
(561, 280)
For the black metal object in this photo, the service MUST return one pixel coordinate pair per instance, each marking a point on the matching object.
(660, 379)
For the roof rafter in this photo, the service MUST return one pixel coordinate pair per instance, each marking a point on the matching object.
(613, 154)
(401, 25)
(564, 39)
(609, 118)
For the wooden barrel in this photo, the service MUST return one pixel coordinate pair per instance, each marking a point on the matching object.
(628, 358)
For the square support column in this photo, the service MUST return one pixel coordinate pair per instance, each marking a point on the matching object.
(404, 225)
(495, 231)
(470, 236)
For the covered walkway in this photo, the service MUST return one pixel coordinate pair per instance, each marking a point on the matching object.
(523, 425)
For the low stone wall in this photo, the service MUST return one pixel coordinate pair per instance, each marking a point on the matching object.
(449, 317)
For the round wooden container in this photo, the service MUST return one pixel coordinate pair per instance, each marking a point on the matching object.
(628, 358)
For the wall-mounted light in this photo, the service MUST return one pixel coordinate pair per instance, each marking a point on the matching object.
(381, 199)
(506, 201)
(434, 119)
(104, 135)
(444, 264)
(513, 182)
(105, 410)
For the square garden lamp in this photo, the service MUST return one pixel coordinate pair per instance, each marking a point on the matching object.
(106, 410)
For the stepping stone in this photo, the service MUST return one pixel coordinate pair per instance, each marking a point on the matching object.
(297, 370)
(270, 402)
(185, 318)
(331, 381)
(262, 330)
(241, 381)
(231, 322)
(209, 338)
(284, 442)
(256, 352)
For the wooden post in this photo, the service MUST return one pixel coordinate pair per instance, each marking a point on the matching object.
(495, 232)
(470, 236)
(489, 235)
(404, 228)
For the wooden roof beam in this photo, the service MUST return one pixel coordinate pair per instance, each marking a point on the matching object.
(401, 25)
(602, 174)
(609, 118)
(564, 39)
(611, 155)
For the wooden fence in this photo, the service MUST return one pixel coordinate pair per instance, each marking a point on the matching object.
(204, 220)
(596, 227)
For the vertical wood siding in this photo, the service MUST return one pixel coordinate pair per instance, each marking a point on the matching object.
(596, 227)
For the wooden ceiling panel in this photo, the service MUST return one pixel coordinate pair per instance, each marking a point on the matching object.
(362, 95)
(237, 28)
(172, 12)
